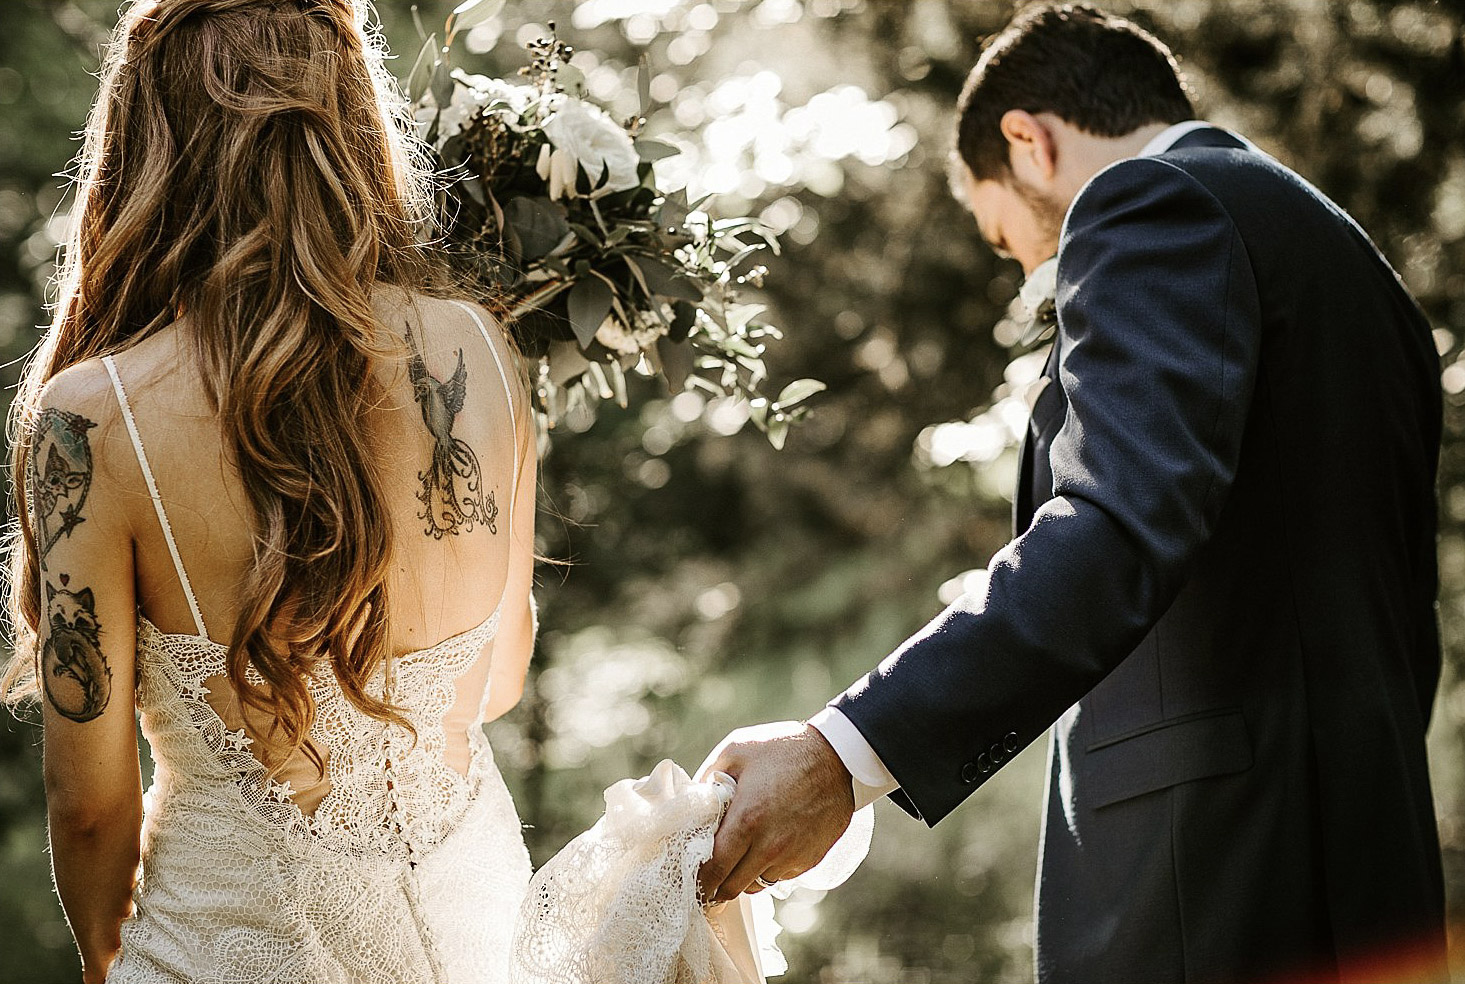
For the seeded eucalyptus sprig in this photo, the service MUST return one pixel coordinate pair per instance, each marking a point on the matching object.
(553, 208)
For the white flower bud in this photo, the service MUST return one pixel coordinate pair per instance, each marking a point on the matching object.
(562, 175)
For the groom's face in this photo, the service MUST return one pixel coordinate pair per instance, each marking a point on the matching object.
(1016, 220)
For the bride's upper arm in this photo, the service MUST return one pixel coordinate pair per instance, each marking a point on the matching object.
(514, 644)
(79, 493)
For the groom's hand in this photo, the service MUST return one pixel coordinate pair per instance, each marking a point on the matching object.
(794, 799)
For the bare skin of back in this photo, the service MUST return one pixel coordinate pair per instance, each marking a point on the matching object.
(449, 459)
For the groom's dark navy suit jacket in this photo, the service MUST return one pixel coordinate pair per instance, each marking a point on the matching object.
(1222, 590)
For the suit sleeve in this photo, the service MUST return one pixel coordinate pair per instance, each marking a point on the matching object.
(1159, 329)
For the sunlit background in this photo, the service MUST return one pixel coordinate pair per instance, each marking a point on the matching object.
(713, 582)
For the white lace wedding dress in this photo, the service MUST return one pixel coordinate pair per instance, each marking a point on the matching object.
(407, 872)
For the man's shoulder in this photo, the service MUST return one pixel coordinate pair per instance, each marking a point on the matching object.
(1153, 191)
(1228, 169)
(1240, 185)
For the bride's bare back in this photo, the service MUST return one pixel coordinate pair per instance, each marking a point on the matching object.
(379, 852)
(453, 445)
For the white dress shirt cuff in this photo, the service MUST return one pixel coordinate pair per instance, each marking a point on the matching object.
(871, 779)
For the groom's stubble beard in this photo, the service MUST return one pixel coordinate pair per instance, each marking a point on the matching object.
(1048, 211)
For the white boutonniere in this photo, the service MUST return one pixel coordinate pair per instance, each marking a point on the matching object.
(1039, 298)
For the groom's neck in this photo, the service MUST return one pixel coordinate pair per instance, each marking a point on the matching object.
(1083, 155)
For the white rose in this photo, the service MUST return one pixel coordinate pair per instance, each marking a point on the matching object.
(588, 135)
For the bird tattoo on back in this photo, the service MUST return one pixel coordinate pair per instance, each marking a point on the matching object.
(447, 505)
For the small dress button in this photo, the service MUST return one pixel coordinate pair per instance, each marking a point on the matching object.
(969, 772)
(1010, 742)
(997, 754)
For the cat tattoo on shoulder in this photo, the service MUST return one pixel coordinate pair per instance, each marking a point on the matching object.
(77, 679)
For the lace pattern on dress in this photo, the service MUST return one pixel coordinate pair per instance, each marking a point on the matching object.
(423, 794)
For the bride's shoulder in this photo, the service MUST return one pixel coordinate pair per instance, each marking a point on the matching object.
(84, 383)
(431, 307)
(79, 406)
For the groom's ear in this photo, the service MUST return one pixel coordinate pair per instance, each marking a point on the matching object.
(1031, 150)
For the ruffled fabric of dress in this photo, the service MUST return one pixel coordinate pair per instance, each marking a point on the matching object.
(619, 904)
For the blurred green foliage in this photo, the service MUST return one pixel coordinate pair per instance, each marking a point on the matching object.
(715, 582)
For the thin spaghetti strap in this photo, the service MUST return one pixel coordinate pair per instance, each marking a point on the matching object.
(508, 397)
(147, 474)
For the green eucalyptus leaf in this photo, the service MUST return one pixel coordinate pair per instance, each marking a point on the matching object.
(655, 150)
(743, 254)
(442, 83)
(634, 266)
(571, 79)
(643, 83)
(589, 303)
(586, 234)
(798, 391)
(421, 74)
(674, 210)
(677, 363)
(539, 223)
(454, 150)
(566, 363)
(470, 13)
(684, 317)
(662, 279)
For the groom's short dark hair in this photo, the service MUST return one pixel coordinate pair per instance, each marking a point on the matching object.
(1095, 71)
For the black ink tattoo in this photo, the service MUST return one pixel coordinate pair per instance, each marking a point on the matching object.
(59, 474)
(452, 459)
(78, 680)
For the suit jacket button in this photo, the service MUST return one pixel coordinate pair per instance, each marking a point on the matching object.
(984, 763)
(969, 772)
(997, 754)
(1010, 742)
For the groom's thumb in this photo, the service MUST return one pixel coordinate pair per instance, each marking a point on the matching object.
(728, 847)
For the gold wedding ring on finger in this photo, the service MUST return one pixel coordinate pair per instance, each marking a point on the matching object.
(760, 880)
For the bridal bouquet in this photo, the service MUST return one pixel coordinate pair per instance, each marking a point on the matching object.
(552, 209)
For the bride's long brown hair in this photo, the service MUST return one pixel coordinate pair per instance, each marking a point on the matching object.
(249, 162)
